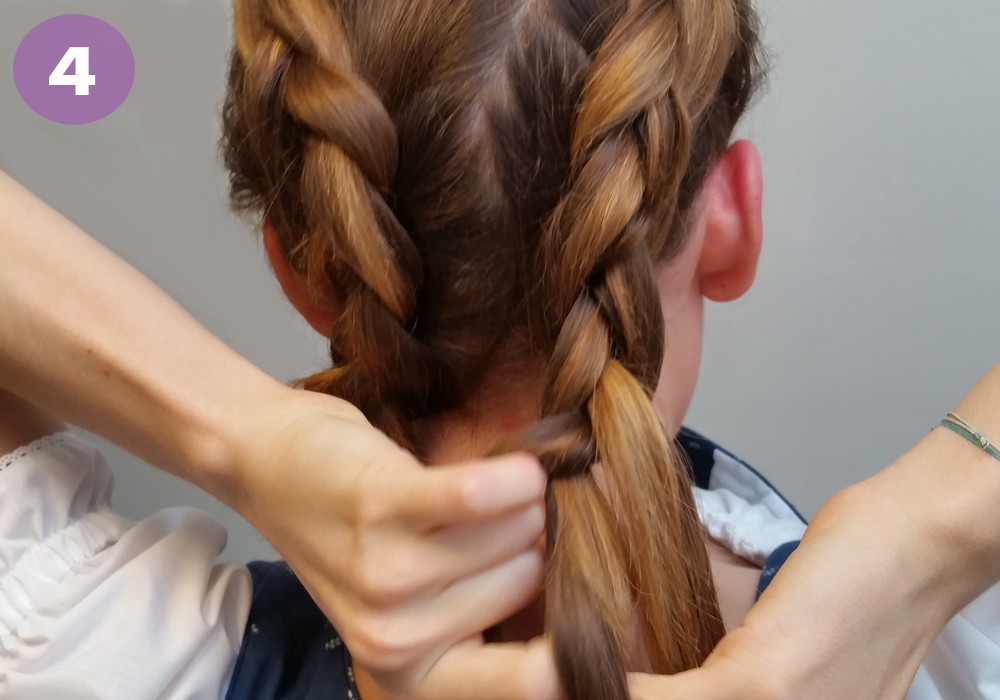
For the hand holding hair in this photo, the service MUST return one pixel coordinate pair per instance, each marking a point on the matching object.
(837, 622)
(596, 222)
(883, 566)
(400, 558)
(404, 560)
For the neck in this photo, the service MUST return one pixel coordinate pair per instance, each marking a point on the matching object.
(506, 401)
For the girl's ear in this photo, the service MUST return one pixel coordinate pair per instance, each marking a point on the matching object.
(731, 206)
(295, 286)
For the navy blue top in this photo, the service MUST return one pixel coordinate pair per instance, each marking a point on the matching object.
(291, 652)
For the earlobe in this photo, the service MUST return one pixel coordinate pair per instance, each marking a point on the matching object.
(295, 286)
(733, 220)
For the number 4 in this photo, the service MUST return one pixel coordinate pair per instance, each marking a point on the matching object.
(81, 79)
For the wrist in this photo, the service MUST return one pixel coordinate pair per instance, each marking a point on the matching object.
(947, 492)
(220, 426)
(252, 429)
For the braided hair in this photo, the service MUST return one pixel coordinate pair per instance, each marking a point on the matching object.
(471, 181)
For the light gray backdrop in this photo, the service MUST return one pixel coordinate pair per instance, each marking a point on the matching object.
(876, 303)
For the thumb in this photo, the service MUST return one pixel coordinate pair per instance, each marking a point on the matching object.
(439, 496)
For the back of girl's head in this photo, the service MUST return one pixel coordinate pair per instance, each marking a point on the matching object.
(472, 181)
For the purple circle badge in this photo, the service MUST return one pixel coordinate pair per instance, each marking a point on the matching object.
(74, 69)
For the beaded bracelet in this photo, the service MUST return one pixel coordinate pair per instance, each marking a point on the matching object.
(959, 425)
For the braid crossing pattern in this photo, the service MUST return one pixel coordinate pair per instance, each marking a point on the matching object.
(481, 184)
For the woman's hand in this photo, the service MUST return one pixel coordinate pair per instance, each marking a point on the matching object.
(882, 568)
(405, 561)
(840, 621)
(849, 617)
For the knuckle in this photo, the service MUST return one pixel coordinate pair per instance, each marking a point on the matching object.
(370, 585)
(535, 520)
(464, 494)
(373, 646)
(384, 643)
(384, 579)
(370, 510)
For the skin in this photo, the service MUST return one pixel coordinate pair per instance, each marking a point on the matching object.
(81, 338)
(917, 536)
(23, 423)
(718, 263)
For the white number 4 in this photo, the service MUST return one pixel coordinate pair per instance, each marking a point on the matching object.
(81, 79)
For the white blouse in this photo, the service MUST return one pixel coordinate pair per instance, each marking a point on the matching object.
(93, 606)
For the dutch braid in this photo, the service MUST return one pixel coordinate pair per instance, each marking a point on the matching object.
(357, 251)
(630, 149)
(482, 180)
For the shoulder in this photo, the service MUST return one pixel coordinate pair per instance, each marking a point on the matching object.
(90, 594)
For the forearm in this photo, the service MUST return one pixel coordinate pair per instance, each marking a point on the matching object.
(949, 489)
(973, 511)
(87, 337)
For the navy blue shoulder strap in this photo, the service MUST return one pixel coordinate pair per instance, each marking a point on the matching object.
(773, 565)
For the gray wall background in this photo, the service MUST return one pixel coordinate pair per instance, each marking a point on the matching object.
(875, 308)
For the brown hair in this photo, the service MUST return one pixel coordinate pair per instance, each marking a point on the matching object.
(473, 180)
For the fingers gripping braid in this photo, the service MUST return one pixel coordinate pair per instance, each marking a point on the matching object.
(359, 256)
(547, 154)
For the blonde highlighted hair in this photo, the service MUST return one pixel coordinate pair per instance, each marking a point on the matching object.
(472, 178)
